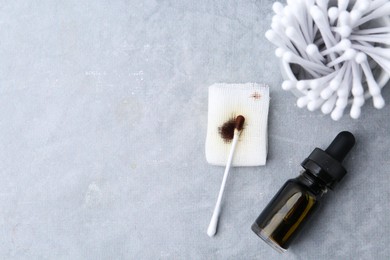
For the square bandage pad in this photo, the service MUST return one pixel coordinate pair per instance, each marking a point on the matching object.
(226, 101)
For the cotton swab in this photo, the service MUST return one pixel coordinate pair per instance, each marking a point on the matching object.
(344, 18)
(334, 83)
(328, 106)
(372, 31)
(343, 45)
(347, 55)
(273, 37)
(357, 87)
(315, 104)
(367, 6)
(300, 15)
(302, 101)
(288, 85)
(361, 5)
(297, 39)
(333, 14)
(354, 16)
(277, 7)
(337, 112)
(375, 50)
(343, 91)
(379, 38)
(373, 87)
(212, 229)
(314, 53)
(356, 107)
(292, 58)
(342, 4)
(357, 92)
(313, 30)
(323, 5)
(379, 12)
(383, 62)
(323, 26)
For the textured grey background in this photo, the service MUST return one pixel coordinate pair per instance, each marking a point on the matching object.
(103, 108)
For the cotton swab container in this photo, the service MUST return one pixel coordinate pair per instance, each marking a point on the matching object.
(336, 54)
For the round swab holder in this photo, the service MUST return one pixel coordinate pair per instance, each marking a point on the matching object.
(355, 84)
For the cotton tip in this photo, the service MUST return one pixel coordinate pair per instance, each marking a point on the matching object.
(279, 52)
(314, 84)
(326, 93)
(312, 94)
(360, 57)
(291, 32)
(287, 12)
(276, 19)
(344, 17)
(327, 107)
(357, 91)
(362, 5)
(344, 31)
(373, 87)
(287, 85)
(333, 13)
(342, 102)
(354, 16)
(358, 101)
(334, 84)
(288, 56)
(342, 4)
(323, 4)
(311, 49)
(301, 85)
(378, 101)
(270, 35)
(337, 113)
(240, 120)
(350, 54)
(314, 104)
(343, 92)
(345, 44)
(347, 55)
(315, 12)
(298, 40)
(302, 101)
(277, 7)
(355, 112)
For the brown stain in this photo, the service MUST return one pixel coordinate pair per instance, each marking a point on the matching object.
(226, 130)
(256, 95)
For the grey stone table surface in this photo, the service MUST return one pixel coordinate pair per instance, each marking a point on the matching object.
(103, 108)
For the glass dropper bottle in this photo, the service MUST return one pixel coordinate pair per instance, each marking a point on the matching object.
(297, 200)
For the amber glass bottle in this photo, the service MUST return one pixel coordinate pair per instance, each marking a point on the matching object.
(297, 200)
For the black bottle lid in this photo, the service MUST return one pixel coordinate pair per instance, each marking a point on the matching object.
(326, 165)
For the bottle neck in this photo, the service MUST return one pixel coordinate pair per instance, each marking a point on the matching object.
(313, 183)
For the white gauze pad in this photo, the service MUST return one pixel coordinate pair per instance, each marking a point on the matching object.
(226, 101)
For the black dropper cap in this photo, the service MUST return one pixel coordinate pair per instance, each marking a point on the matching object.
(326, 165)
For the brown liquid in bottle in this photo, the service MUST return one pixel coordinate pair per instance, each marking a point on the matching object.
(298, 199)
(288, 211)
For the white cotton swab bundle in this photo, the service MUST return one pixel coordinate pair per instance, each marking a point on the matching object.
(329, 51)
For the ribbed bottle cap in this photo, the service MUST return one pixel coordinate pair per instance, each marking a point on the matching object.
(326, 165)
